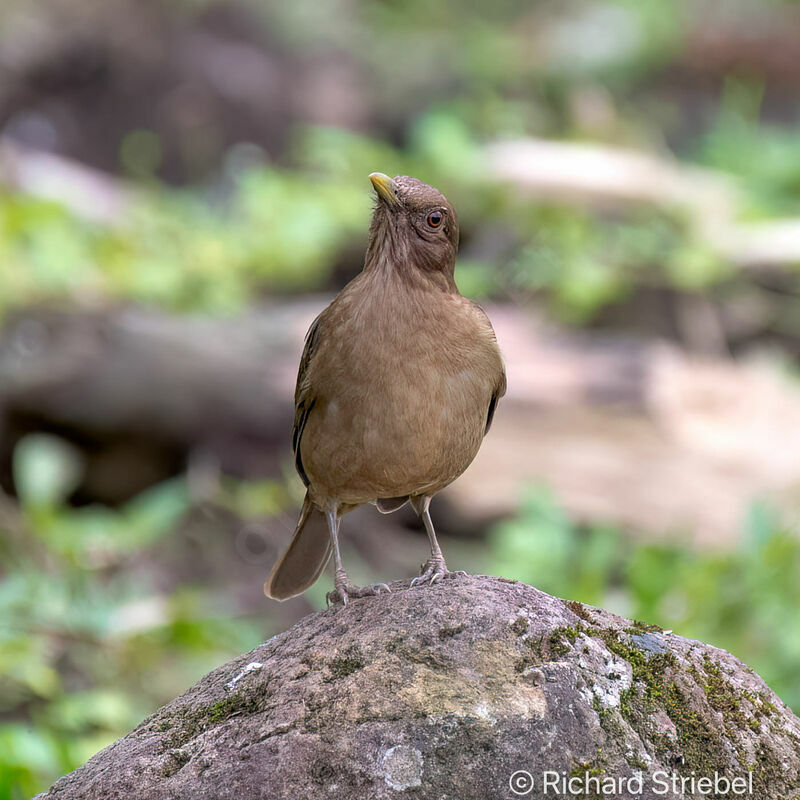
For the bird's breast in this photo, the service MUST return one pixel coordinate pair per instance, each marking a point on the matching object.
(401, 407)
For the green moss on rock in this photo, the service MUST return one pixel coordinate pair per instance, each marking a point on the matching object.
(519, 626)
(348, 663)
(579, 609)
(449, 631)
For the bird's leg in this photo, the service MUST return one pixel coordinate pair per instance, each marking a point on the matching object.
(434, 569)
(343, 590)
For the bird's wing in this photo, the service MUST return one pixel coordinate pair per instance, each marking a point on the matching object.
(304, 396)
(500, 386)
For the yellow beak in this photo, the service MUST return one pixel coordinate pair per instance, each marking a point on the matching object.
(384, 187)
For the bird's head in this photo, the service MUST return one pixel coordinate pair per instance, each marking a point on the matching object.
(413, 226)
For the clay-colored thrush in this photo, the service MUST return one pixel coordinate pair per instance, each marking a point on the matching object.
(397, 386)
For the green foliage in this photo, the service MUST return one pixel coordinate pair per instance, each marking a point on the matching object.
(579, 262)
(743, 600)
(278, 231)
(271, 230)
(562, 71)
(45, 469)
(765, 157)
(87, 647)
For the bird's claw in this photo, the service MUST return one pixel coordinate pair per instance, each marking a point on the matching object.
(433, 571)
(344, 591)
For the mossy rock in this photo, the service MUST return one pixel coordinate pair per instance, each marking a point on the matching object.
(444, 692)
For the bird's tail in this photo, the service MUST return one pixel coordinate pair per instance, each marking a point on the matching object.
(304, 558)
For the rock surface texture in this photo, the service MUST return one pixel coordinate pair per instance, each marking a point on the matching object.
(445, 692)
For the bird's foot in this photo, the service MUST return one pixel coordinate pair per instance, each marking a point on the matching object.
(343, 591)
(433, 571)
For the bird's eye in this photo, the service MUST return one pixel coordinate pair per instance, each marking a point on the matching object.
(435, 219)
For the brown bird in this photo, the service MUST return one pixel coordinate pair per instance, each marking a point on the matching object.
(398, 383)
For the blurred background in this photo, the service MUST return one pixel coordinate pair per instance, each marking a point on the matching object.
(183, 186)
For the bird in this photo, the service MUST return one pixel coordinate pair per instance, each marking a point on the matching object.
(398, 384)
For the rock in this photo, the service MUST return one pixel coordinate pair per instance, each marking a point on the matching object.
(448, 691)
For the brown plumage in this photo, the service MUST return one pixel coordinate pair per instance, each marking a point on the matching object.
(397, 386)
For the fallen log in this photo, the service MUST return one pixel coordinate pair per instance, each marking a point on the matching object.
(631, 432)
(88, 193)
(586, 174)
